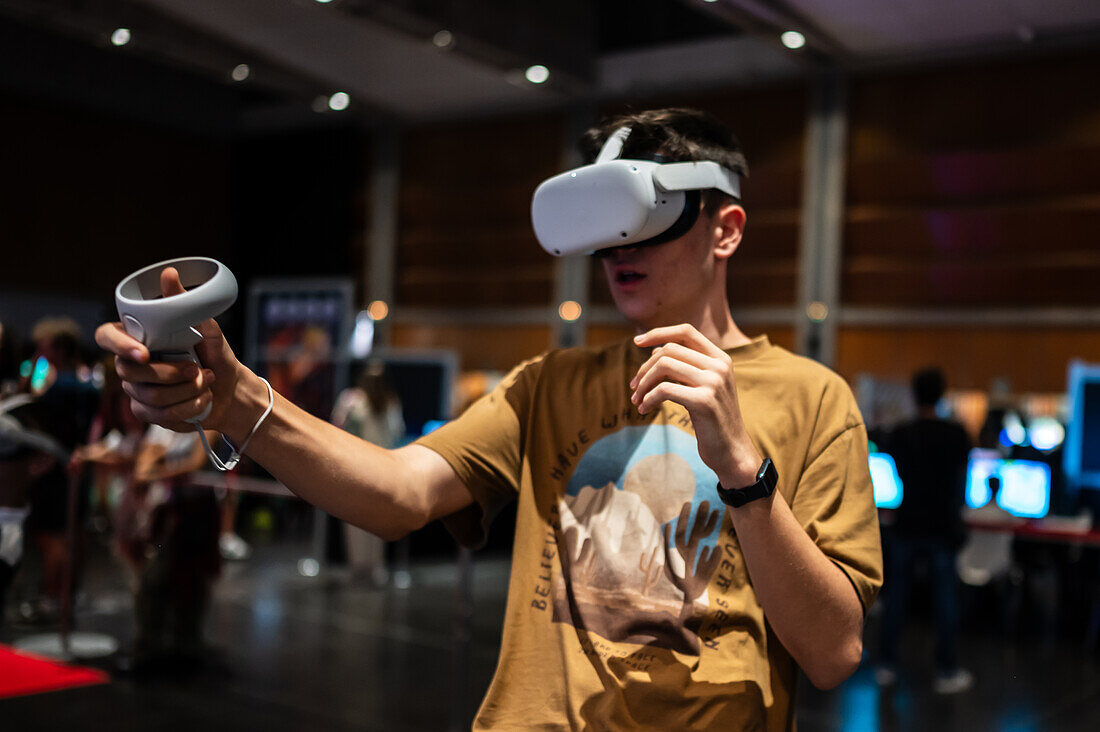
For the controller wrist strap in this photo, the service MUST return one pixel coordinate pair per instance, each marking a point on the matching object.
(235, 457)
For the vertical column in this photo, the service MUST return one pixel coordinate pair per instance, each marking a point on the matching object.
(381, 239)
(571, 274)
(822, 220)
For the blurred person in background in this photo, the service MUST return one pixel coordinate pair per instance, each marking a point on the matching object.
(26, 454)
(372, 411)
(167, 532)
(113, 441)
(931, 456)
(70, 404)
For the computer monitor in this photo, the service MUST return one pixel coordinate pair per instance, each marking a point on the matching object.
(885, 481)
(1081, 453)
(1025, 484)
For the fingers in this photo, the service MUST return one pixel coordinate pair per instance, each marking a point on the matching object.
(672, 350)
(175, 416)
(163, 373)
(684, 334)
(114, 338)
(670, 369)
(167, 394)
(159, 396)
(170, 282)
(687, 396)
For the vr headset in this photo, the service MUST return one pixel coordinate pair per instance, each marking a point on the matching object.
(615, 202)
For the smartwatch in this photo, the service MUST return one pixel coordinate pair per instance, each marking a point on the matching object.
(766, 480)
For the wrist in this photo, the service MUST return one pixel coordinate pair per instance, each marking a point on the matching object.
(742, 469)
(248, 402)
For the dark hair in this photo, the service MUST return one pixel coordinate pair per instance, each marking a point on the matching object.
(677, 134)
(929, 386)
(63, 336)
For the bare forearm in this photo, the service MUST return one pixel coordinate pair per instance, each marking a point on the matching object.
(807, 599)
(348, 477)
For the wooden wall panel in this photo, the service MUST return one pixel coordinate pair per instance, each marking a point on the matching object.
(1032, 359)
(464, 237)
(770, 123)
(488, 347)
(975, 186)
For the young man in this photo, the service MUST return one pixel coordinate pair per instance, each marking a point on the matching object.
(637, 598)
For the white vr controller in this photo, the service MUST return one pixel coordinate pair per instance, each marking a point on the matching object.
(166, 325)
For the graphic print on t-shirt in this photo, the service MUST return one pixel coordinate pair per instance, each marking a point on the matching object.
(639, 539)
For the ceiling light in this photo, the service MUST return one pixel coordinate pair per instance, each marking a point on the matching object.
(537, 74)
(339, 101)
(324, 2)
(120, 36)
(443, 39)
(793, 40)
(240, 72)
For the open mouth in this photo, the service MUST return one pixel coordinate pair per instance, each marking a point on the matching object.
(626, 276)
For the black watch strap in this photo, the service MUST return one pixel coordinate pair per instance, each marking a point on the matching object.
(766, 480)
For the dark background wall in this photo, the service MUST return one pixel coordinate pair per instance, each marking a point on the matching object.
(970, 187)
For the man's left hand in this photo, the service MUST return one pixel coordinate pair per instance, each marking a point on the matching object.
(687, 368)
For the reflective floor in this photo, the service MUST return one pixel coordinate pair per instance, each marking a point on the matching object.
(291, 652)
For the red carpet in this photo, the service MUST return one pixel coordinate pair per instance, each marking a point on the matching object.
(21, 674)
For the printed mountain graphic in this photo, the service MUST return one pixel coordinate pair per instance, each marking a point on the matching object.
(623, 547)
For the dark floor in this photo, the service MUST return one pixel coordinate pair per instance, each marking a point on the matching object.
(303, 653)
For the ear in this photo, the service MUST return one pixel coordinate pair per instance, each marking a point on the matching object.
(729, 226)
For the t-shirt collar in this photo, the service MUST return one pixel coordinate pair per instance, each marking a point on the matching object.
(755, 348)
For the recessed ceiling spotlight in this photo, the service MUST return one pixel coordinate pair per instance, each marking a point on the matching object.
(793, 40)
(443, 39)
(324, 2)
(537, 74)
(339, 101)
(710, 1)
(240, 72)
(120, 36)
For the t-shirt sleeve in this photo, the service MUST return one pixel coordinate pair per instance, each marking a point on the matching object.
(835, 505)
(484, 447)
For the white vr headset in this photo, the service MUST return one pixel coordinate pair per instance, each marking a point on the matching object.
(616, 202)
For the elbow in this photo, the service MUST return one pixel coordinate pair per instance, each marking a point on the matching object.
(837, 666)
(406, 518)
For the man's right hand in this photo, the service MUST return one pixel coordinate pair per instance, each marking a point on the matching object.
(170, 393)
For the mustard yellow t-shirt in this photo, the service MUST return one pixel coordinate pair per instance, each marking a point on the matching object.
(630, 606)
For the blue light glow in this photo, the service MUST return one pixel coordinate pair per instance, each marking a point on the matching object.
(885, 481)
(1025, 484)
(1046, 433)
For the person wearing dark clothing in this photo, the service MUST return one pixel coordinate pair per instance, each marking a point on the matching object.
(26, 454)
(931, 456)
(68, 404)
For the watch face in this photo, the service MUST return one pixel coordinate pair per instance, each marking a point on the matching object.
(769, 474)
